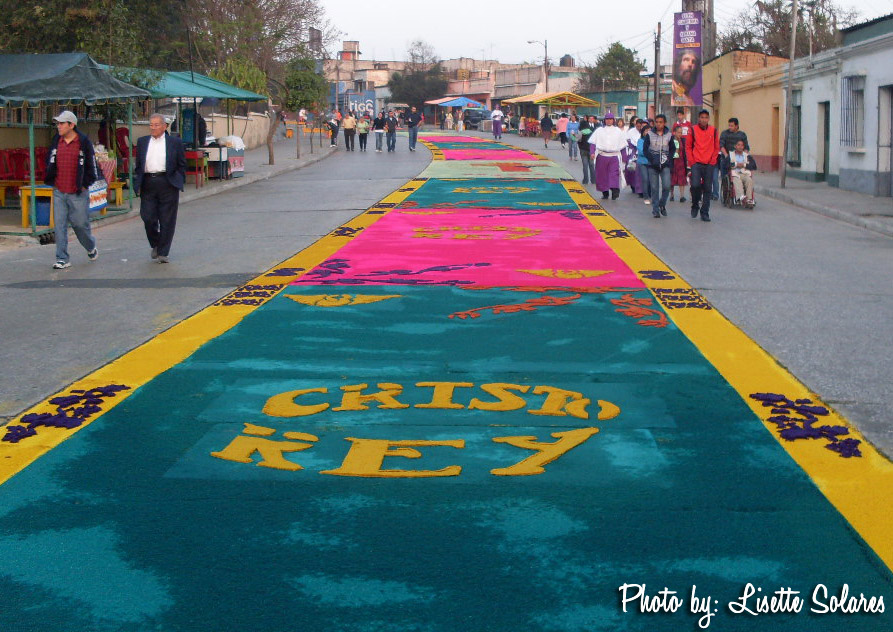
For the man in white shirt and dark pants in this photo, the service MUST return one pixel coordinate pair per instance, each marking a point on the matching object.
(159, 177)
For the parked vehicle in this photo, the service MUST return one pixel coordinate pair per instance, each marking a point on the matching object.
(474, 116)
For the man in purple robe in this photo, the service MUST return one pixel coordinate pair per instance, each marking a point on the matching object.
(609, 141)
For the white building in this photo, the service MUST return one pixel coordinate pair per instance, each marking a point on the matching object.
(842, 127)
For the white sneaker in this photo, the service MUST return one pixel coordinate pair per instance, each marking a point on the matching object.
(61, 265)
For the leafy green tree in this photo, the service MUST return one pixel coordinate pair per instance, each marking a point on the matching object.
(304, 87)
(110, 31)
(416, 87)
(617, 68)
(242, 73)
(766, 27)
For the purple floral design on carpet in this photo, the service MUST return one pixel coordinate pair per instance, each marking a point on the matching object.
(796, 420)
(511, 213)
(345, 231)
(285, 272)
(656, 275)
(72, 410)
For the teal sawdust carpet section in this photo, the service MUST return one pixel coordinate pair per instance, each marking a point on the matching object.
(520, 193)
(399, 457)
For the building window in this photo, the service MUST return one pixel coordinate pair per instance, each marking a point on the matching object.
(796, 130)
(852, 119)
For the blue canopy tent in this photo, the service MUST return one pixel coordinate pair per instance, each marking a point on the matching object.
(457, 102)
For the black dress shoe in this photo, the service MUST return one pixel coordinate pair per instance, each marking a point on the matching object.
(605, 195)
(694, 212)
(663, 211)
(705, 217)
(655, 214)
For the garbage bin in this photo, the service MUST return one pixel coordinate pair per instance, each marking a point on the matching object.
(42, 208)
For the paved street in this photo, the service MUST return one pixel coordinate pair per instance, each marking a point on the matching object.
(447, 390)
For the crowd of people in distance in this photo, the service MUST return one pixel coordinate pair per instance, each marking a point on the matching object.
(655, 160)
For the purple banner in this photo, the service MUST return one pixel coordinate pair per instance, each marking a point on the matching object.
(687, 59)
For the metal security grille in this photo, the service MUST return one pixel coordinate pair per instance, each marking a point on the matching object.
(852, 116)
(796, 130)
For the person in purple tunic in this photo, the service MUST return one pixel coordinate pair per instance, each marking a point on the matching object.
(609, 141)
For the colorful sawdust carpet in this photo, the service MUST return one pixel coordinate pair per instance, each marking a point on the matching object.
(480, 405)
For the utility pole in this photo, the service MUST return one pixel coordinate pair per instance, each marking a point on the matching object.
(788, 105)
(657, 71)
(546, 63)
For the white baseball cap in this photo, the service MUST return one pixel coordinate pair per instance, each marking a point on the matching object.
(66, 116)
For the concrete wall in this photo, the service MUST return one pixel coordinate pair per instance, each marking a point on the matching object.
(252, 128)
(818, 87)
(757, 101)
(867, 168)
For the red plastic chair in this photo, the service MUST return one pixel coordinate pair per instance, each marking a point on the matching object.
(21, 164)
(122, 138)
(195, 165)
(40, 158)
(5, 165)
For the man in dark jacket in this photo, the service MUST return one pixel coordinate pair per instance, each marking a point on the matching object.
(391, 131)
(546, 125)
(587, 127)
(71, 169)
(159, 177)
(659, 147)
(413, 123)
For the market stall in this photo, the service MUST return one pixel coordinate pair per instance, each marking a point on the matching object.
(227, 159)
(530, 105)
(454, 102)
(31, 85)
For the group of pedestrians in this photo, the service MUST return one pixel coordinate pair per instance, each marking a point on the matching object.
(383, 127)
(654, 159)
(158, 178)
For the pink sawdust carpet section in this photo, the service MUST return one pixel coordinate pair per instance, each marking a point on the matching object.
(453, 139)
(486, 154)
(472, 247)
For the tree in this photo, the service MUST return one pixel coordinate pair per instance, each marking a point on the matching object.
(423, 78)
(766, 28)
(241, 73)
(110, 31)
(304, 87)
(268, 33)
(617, 68)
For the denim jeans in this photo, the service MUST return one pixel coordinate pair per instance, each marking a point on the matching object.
(588, 169)
(413, 136)
(71, 208)
(573, 150)
(659, 182)
(379, 136)
(392, 141)
(644, 180)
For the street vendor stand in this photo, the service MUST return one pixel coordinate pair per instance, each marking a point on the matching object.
(29, 82)
(222, 162)
(455, 102)
(530, 104)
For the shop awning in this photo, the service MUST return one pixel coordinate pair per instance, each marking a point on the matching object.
(194, 85)
(60, 79)
(554, 99)
(456, 102)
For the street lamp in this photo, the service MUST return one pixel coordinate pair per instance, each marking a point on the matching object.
(545, 58)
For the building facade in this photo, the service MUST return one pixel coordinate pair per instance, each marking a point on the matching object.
(842, 123)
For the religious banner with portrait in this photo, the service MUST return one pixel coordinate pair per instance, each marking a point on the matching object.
(687, 59)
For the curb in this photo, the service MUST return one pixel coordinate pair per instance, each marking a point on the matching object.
(827, 211)
(185, 198)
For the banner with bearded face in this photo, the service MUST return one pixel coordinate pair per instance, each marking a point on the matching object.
(687, 88)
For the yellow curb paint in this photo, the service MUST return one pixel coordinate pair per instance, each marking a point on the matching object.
(861, 488)
(142, 364)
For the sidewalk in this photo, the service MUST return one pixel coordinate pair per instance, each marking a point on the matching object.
(256, 169)
(873, 213)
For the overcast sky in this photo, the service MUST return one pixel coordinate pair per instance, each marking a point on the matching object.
(500, 30)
